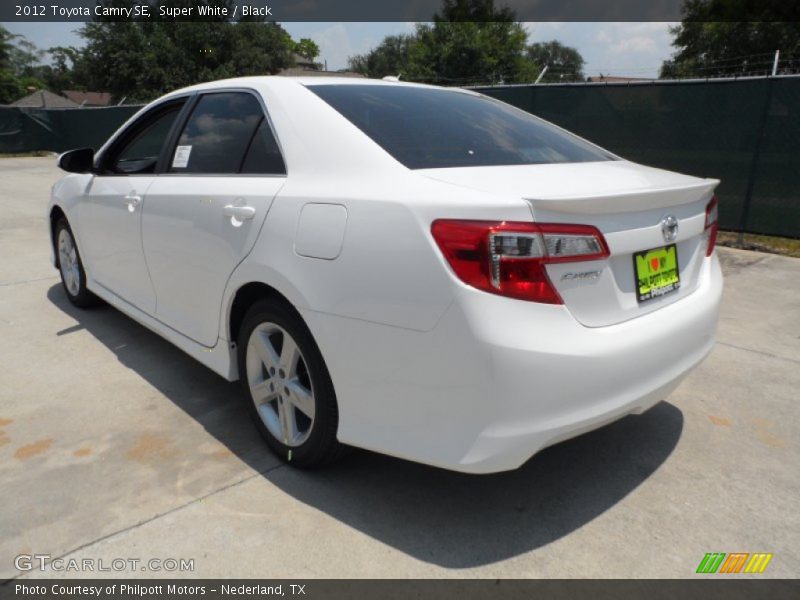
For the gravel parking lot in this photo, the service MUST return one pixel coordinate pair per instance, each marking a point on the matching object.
(114, 444)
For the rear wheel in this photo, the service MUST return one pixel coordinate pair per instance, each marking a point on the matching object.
(73, 276)
(291, 396)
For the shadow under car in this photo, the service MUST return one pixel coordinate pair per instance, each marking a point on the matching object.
(445, 518)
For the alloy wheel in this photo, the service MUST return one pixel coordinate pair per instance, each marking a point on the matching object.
(279, 382)
(68, 262)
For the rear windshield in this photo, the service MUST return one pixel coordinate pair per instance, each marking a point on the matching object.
(429, 128)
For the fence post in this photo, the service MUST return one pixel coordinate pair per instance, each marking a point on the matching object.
(751, 178)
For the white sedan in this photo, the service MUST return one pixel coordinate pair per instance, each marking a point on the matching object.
(424, 272)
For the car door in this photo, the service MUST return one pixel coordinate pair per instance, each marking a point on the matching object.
(203, 214)
(111, 209)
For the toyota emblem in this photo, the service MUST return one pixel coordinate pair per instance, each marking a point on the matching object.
(669, 227)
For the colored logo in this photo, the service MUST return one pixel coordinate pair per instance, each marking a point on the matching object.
(735, 562)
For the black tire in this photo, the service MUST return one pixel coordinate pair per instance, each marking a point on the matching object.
(80, 296)
(320, 447)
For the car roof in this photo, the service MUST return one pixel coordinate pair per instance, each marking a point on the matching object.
(277, 81)
(312, 132)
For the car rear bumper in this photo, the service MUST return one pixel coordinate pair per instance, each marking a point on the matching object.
(498, 380)
(562, 379)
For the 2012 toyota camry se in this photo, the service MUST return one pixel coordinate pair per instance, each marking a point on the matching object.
(423, 272)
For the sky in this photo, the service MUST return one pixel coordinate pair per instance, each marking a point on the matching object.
(631, 49)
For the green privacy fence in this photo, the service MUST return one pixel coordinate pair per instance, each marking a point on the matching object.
(744, 132)
(58, 129)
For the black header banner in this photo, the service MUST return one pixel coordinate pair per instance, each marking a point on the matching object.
(368, 10)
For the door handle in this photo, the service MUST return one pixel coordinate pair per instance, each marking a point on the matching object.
(240, 213)
(133, 201)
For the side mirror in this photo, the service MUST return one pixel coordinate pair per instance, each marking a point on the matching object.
(77, 161)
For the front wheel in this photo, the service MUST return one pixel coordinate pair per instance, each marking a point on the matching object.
(73, 275)
(291, 396)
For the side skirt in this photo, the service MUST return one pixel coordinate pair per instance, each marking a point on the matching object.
(221, 358)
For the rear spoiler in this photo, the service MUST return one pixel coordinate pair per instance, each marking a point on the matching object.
(627, 201)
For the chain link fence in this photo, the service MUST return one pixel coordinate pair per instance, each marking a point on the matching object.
(745, 132)
(25, 129)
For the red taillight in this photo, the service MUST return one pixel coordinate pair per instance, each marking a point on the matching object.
(509, 258)
(712, 224)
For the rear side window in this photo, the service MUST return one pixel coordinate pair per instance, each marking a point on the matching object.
(264, 156)
(427, 128)
(218, 134)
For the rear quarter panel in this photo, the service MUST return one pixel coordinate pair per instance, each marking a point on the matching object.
(389, 270)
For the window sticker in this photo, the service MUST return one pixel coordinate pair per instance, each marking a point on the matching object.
(181, 159)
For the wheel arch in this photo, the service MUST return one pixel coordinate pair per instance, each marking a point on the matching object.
(247, 295)
(56, 214)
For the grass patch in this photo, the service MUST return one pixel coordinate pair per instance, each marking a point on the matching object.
(761, 243)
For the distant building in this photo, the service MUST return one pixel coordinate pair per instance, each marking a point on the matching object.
(89, 98)
(308, 68)
(295, 72)
(44, 99)
(616, 79)
(306, 64)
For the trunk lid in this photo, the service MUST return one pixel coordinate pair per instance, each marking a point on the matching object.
(627, 203)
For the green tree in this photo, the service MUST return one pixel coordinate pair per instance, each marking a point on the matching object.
(461, 53)
(563, 62)
(307, 48)
(722, 38)
(141, 60)
(24, 56)
(473, 10)
(10, 88)
(60, 75)
(469, 41)
(18, 66)
(6, 46)
(390, 57)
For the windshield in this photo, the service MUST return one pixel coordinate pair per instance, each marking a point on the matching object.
(429, 128)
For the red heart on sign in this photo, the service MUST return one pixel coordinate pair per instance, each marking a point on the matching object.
(654, 264)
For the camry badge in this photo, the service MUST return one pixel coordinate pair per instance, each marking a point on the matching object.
(669, 227)
(585, 276)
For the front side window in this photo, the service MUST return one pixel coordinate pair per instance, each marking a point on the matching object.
(219, 133)
(428, 128)
(140, 152)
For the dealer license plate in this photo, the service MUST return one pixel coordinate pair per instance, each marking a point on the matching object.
(656, 272)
